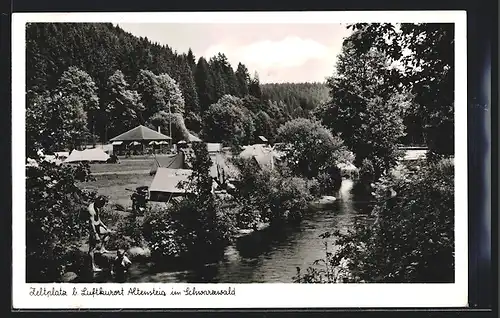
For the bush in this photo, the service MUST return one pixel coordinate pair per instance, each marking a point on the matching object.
(197, 228)
(412, 239)
(194, 122)
(161, 233)
(289, 198)
(275, 196)
(129, 233)
(180, 232)
(54, 217)
(329, 180)
(310, 148)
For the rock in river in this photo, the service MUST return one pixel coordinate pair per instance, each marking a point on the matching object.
(324, 202)
(69, 277)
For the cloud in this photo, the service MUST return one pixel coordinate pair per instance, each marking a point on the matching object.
(292, 51)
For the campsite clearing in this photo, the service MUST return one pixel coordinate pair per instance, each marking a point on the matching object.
(125, 165)
(115, 186)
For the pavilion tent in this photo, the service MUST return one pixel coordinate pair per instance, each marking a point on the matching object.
(140, 133)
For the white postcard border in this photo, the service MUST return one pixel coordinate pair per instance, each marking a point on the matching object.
(246, 295)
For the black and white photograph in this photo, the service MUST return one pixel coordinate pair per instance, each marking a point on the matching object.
(320, 153)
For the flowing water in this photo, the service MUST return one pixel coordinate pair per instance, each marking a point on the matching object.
(271, 255)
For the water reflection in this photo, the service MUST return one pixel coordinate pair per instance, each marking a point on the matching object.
(271, 255)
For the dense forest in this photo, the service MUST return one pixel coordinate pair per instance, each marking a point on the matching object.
(127, 80)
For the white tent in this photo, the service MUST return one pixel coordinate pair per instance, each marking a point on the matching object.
(165, 184)
(214, 147)
(412, 154)
(265, 156)
(95, 154)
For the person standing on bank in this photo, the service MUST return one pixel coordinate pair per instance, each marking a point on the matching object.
(99, 232)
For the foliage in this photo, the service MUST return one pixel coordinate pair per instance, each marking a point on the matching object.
(270, 196)
(76, 82)
(412, 239)
(365, 108)
(310, 149)
(124, 107)
(425, 52)
(100, 49)
(300, 98)
(55, 207)
(187, 85)
(224, 79)
(157, 92)
(204, 84)
(226, 121)
(162, 119)
(242, 79)
(196, 228)
(254, 87)
(193, 122)
(131, 232)
(289, 198)
(252, 192)
(54, 122)
(264, 125)
(366, 172)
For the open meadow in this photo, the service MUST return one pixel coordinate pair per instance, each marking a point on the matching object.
(117, 181)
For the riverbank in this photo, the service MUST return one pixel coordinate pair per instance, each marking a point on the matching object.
(269, 255)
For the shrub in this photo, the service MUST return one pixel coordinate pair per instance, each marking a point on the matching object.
(276, 196)
(288, 199)
(54, 224)
(310, 148)
(196, 228)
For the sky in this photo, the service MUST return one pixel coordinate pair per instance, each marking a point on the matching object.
(278, 52)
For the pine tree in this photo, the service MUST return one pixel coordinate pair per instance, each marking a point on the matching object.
(188, 86)
(243, 80)
(217, 70)
(191, 60)
(254, 87)
(204, 85)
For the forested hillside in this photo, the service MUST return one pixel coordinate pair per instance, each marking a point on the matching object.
(297, 99)
(126, 80)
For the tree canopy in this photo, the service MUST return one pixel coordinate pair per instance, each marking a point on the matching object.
(365, 108)
(425, 53)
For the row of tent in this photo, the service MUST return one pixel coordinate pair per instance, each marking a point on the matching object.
(165, 184)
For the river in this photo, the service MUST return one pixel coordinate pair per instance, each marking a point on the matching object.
(269, 256)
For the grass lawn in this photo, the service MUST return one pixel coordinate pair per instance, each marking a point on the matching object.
(115, 186)
(136, 163)
(124, 165)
